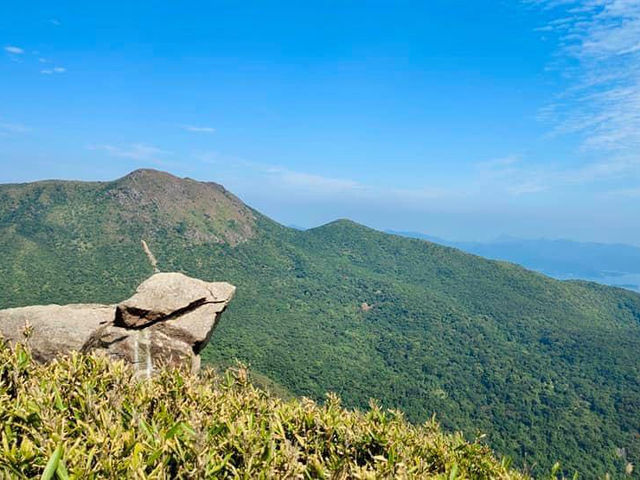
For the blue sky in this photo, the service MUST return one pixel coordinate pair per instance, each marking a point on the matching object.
(464, 120)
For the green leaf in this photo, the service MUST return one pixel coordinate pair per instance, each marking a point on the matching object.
(58, 402)
(221, 465)
(52, 464)
(174, 430)
(454, 472)
(61, 471)
(177, 428)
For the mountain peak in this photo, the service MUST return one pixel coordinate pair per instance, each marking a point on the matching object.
(203, 211)
(149, 174)
(146, 203)
(342, 224)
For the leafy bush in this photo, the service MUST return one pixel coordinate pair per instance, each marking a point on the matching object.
(86, 417)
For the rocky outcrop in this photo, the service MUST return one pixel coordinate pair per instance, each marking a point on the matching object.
(168, 321)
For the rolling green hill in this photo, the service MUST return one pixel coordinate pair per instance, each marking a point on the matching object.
(548, 370)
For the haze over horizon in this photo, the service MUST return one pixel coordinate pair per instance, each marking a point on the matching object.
(461, 121)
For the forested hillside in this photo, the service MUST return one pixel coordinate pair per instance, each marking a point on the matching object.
(610, 264)
(548, 370)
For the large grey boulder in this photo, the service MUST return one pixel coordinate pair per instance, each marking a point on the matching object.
(168, 321)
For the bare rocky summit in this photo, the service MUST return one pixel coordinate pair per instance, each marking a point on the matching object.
(168, 321)
(201, 212)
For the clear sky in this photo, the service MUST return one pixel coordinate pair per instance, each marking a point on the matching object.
(461, 119)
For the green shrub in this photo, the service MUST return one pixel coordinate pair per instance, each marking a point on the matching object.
(86, 417)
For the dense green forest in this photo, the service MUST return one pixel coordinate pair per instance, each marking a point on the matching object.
(547, 370)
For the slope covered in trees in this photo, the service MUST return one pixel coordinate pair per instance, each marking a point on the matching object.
(546, 369)
(617, 265)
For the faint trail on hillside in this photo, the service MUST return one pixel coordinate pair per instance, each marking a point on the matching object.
(150, 256)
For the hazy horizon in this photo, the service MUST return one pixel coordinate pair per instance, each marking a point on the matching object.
(283, 219)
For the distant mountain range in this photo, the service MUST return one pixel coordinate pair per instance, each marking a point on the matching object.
(611, 264)
(548, 370)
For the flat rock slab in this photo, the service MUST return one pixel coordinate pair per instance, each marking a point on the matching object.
(55, 329)
(168, 295)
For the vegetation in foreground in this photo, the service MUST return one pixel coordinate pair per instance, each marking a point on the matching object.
(86, 417)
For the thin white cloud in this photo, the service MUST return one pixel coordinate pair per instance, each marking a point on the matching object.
(13, 128)
(501, 162)
(414, 195)
(55, 21)
(310, 181)
(508, 174)
(332, 187)
(51, 71)
(304, 184)
(198, 129)
(13, 50)
(526, 187)
(600, 54)
(512, 174)
(284, 177)
(136, 151)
